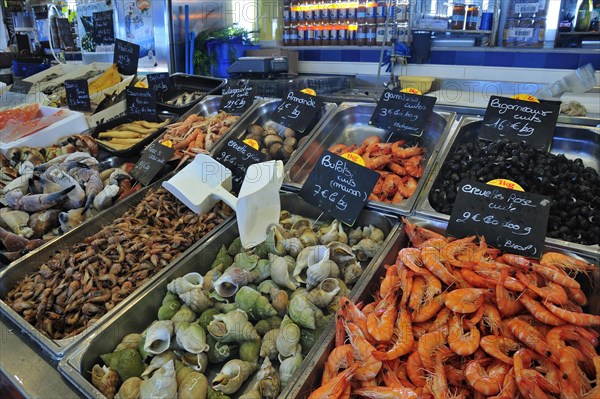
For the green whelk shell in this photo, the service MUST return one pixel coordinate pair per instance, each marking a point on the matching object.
(218, 351)
(245, 260)
(214, 394)
(302, 311)
(253, 303)
(130, 389)
(207, 316)
(130, 341)
(223, 259)
(185, 313)
(127, 363)
(194, 386)
(235, 247)
(249, 351)
(264, 325)
(168, 309)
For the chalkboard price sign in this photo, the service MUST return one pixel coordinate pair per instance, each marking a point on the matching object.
(141, 102)
(237, 157)
(339, 187)
(78, 95)
(237, 100)
(158, 82)
(510, 220)
(126, 56)
(520, 120)
(151, 162)
(296, 111)
(104, 27)
(21, 87)
(402, 112)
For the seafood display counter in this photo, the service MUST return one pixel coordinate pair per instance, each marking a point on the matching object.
(279, 325)
(406, 163)
(422, 330)
(568, 174)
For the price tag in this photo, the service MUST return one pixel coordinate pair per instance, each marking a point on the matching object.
(104, 27)
(236, 100)
(151, 162)
(402, 112)
(159, 82)
(21, 87)
(339, 187)
(237, 157)
(141, 102)
(510, 220)
(78, 95)
(297, 111)
(520, 120)
(126, 56)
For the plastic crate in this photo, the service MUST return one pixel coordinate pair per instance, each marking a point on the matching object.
(26, 69)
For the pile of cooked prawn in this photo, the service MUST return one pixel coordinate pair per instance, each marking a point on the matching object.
(459, 319)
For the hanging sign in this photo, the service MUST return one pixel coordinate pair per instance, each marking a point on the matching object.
(237, 156)
(104, 27)
(297, 111)
(510, 220)
(402, 112)
(519, 120)
(236, 100)
(141, 102)
(126, 56)
(339, 187)
(151, 162)
(78, 95)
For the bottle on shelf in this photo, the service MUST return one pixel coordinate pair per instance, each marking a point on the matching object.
(457, 20)
(584, 15)
(472, 17)
(595, 18)
(351, 15)
(361, 12)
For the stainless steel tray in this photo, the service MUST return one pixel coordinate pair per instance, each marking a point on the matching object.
(571, 140)
(31, 263)
(139, 314)
(259, 114)
(349, 124)
(310, 379)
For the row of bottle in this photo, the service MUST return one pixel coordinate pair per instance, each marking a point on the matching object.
(334, 12)
(344, 35)
(588, 16)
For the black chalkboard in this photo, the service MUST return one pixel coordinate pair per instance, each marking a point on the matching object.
(158, 82)
(104, 27)
(78, 95)
(339, 187)
(21, 87)
(237, 156)
(151, 162)
(126, 56)
(141, 102)
(236, 100)
(510, 220)
(402, 112)
(297, 110)
(520, 120)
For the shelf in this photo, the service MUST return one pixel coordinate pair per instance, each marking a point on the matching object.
(579, 33)
(486, 32)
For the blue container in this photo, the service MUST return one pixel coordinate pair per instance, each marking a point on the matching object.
(25, 69)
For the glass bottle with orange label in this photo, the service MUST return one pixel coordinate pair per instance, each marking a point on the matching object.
(457, 21)
(472, 17)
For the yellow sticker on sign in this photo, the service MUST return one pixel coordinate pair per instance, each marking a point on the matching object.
(309, 91)
(167, 143)
(411, 90)
(526, 97)
(354, 157)
(252, 143)
(504, 183)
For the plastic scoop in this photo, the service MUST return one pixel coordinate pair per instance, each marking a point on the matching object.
(204, 182)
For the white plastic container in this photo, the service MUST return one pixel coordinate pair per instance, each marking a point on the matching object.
(74, 123)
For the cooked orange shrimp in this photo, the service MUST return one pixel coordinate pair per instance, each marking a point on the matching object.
(414, 370)
(400, 152)
(476, 280)
(403, 338)
(565, 262)
(431, 260)
(407, 189)
(436, 242)
(574, 382)
(531, 383)
(466, 300)
(531, 337)
(387, 393)
(552, 292)
(577, 318)
(406, 283)
(499, 347)
(510, 283)
(516, 260)
(461, 342)
(336, 386)
(538, 311)
(437, 382)
(414, 165)
(578, 296)
(380, 322)
(418, 293)
(507, 305)
(350, 312)
(375, 161)
(491, 318)
(509, 387)
(454, 248)
(557, 275)
(339, 358)
(396, 168)
(369, 366)
(389, 281)
(428, 309)
(341, 148)
(442, 320)
(391, 185)
(487, 382)
(431, 344)
(417, 234)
